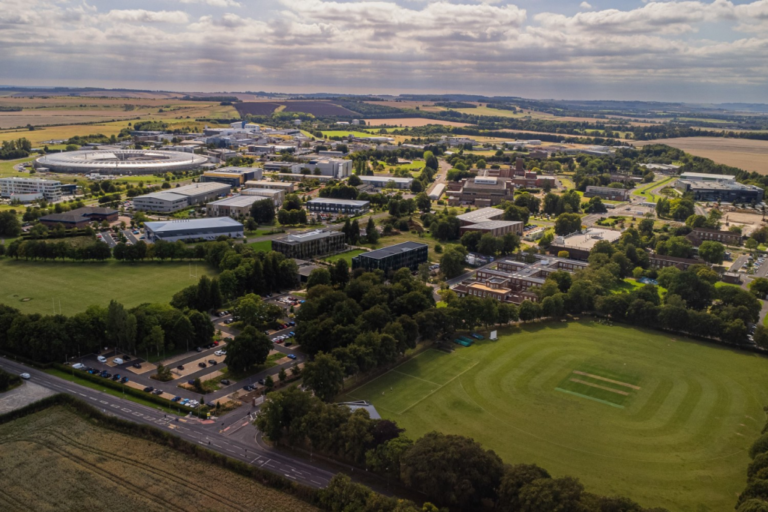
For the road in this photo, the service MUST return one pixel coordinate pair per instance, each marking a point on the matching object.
(234, 437)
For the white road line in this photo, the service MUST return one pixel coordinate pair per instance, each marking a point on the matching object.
(103, 401)
(115, 406)
(125, 410)
(290, 476)
(81, 394)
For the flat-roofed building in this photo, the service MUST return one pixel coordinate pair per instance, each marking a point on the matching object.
(176, 199)
(716, 235)
(387, 181)
(26, 190)
(394, 257)
(482, 191)
(193, 229)
(662, 261)
(235, 206)
(495, 227)
(277, 196)
(80, 217)
(283, 167)
(311, 244)
(288, 187)
(579, 244)
(331, 167)
(331, 205)
(480, 215)
(610, 193)
(724, 190)
(232, 176)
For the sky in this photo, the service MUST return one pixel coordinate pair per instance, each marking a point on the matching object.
(692, 51)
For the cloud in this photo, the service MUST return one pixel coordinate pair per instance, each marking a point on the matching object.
(585, 5)
(143, 16)
(213, 3)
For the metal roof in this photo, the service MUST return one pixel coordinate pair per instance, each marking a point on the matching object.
(239, 200)
(481, 215)
(307, 236)
(183, 225)
(331, 200)
(385, 252)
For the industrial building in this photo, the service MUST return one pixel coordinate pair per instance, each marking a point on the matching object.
(172, 200)
(495, 227)
(385, 181)
(288, 187)
(437, 192)
(331, 205)
(332, 167)
(79, 218)
(579, 244)
(283, 167)
(481, 191)
(235, 206)
(511, 280)
(406, 254)
(233, 176)
(718, 187)
(26, 190)
(311, 244)
(120, 162)
(480, 215)
(277, 196)
(193, 229)
(610, 193)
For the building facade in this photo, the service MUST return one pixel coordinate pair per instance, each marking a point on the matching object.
(287, 187)
(311, 244)
(233, 176)
(406, 254)
(661, 261)
(495, 227)
(80, 217)
(193, 229)
(716, 235)
(718, 187)
(175, 199)
(384, 181)
(27, 190)
(612, 194)
(277, 196)
(330, 205)
(235, 206)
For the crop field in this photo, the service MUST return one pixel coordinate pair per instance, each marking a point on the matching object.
(316, 108)
(663, 420)
(256, 108)
(412, 121)
(36, 287)
(92, 468)
(750, 155)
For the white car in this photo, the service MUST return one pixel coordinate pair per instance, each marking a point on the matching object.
(101, 359)
(25, 376)
(117, 360)
(218, 353)
(78, 366)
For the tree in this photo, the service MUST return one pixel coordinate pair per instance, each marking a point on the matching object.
(759, 287)
(371, 234)
(269, 383)
(470, 239)
(514, 480)
(282, 375)
(423, 202)
(712, 252)
(567, 223)
(203, 327)
(452, 470)
(319, 276)
(250, 347)
(551, 495)
(9, 224)
(324, 376)
(263, 211)
(452, 262)
(488, 245)
(340, 274)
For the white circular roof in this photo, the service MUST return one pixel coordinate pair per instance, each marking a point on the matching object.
(123, 161)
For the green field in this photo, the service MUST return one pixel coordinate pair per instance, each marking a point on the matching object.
(663, 420)
(264, 245)
(344, 256)
(72, 287)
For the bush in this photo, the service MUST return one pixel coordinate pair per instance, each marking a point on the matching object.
(760, 463)
(759, 446)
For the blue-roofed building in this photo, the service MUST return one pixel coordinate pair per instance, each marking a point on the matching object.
(193, 229)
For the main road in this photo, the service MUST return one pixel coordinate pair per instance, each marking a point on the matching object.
(233, 436)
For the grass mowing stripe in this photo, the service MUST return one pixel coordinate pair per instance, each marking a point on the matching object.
(590, 398)
(577, 372)
(598, 386)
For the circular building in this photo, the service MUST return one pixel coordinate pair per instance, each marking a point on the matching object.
(121, 161)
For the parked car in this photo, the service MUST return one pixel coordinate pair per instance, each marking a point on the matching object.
(202, 365)
(248, 388)
(106, 375)
(213, 362)
(199, 349)
(184, 401)
(149, 389)
(158, 391)
(101, 359)
(260, 381)
(288, 343)
(225, 382)
(117, 360)
(180, 367)
(116, 376)
(78, 366)
(137, 365)
(25, 376)
(124, 380)
(217, 353)
(291, 356)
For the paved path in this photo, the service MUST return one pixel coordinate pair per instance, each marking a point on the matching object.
(23, 395)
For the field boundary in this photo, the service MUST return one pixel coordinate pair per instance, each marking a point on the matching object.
(438, 389)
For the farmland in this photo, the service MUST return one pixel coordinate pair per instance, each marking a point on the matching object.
(750, 155)
(661, 419)
(34, 287)
(91, 468)
(256, 108)
(411, 122)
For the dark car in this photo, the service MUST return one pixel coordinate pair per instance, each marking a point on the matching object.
(225, 382)
(149, 389)
(199, 349)
(261, 381)
(288, 343)
(158, 391)
(248, 387)
(213, 362)
(116, 377)
(124, 380)
(180, 367)
(175, 399)
(291, 323)
(191, 382)
(126, 358)
(202, 365)
(137, 365)
(106, 375)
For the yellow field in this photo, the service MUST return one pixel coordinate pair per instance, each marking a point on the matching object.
(414, 121)
(747, 154)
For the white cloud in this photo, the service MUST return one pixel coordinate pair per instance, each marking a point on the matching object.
(143, 16)
(585, 5)
(214, 3)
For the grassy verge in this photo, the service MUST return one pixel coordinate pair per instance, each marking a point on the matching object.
(93, 385)
(344, 256)
(264, 245)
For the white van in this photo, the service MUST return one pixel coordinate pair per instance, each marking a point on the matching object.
(117, 360)
(101, 359)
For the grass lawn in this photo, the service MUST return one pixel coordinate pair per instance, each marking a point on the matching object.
(344, 256)
(663, 420)
(6, 168)
(264, 245)
(645, 191)
(629, 285)
(75, 286)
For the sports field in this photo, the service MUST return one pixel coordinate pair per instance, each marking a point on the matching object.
(662, 420)
(38, 287)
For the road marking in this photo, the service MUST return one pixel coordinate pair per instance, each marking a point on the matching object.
(316, 482)
(81, 394)
(125, 410)
(290, 476)
(103, 401)
(137, 413)
(257, 458)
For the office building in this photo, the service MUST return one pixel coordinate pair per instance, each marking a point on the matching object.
(233, 176)
(79, 218)
(311, 244)
(699, 235)
(389, 259)
(659, 261)
(235, 206)
(481, 191)
(282, 167)
(26, 190)
(718, 187)
(387, 182)
(277, 196)
(287, 187)
(193, 229)
(511, 280)
(610, 193)
(175, 199)
(579, 244)
(495, 227)
(331, 205)
(332, 167)
(480, 215)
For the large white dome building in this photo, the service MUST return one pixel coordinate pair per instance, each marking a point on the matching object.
(121, 161)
